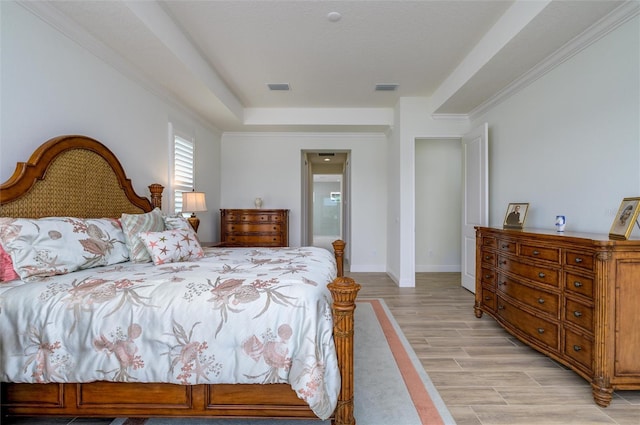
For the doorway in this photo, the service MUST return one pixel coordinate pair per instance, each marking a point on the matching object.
(325, 198)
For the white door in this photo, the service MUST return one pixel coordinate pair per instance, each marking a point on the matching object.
(475, 198)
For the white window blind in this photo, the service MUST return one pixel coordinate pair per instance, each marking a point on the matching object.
(183, 155)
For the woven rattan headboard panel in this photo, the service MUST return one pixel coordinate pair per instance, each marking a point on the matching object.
(72, 176)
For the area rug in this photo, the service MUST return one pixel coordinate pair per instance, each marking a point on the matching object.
(392, 387)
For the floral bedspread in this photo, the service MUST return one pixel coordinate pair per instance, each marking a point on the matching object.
(239, 315)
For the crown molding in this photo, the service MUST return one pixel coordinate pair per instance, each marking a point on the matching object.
(625, 12)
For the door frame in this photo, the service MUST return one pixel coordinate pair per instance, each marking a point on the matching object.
(306, 219)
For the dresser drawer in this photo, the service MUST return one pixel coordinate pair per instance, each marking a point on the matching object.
(260, 218)
(540, 300)
(541, 330)
(252, 228)
(538, 252)
(578, 259)
(579, 284)
(489, 242)
(578, 348)
(545, 275)
(489, 299)
(579, 314)
(254, 240)
(488, 277)
(505, 245)
(489, 258)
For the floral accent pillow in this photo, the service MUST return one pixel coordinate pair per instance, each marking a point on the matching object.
(172, 246)
(133, 225)
(7, 272)
(59, 245)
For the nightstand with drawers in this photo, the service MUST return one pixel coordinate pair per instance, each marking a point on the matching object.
(254, 227)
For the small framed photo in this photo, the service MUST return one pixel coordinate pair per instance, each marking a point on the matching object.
(515, 216)
(625, 219)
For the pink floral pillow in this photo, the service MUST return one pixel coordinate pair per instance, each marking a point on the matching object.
(172, 246)
(58, 245)
(7, 272)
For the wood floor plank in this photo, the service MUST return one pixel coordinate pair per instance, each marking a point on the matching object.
(485, 375)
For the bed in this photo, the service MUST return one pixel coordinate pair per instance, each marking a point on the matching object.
(218, 332)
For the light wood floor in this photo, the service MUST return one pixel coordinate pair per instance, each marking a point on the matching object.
(484, 375)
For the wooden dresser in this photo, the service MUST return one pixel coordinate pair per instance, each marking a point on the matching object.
(572, 296)
(252, 227)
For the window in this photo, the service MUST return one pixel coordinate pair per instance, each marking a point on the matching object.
(183, 165)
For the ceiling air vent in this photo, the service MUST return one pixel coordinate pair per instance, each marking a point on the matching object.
(279, 87)
(326, 154)
(386, 87)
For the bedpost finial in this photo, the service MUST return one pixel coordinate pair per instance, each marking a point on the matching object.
(156, 194)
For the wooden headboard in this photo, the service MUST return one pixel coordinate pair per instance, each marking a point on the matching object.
(74, 176)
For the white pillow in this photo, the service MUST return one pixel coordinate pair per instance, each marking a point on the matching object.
(172, 246)
(58, 245)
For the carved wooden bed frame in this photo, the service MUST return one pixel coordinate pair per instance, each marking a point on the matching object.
(80, 177)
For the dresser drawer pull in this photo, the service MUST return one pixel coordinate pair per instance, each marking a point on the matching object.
(541, 275)
(487, 276)
(578, 260)
(540, 300)
(502, 283)
(488, 257)
(577, 313)
(540, 331)
(577, 348)
(536, 252)
(500, 307)
(275, 228)
(487, 298)
(577, 284)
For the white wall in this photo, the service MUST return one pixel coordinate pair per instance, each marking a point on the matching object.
(51, 86)
(570, 142)
(438, 203)
(268, 165)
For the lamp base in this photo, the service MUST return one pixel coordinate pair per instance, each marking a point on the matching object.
(194, 222)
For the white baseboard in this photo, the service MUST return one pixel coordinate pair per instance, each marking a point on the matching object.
(438, 268)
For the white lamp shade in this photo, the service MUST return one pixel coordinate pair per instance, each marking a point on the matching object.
(193, 202)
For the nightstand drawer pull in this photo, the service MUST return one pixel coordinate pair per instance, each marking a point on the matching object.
(540, 300)
(536, 252)
(577, 348)
(577, 284)
(487, 298)
(577, 313)
(541, 275)
(500, 307)
(488, 257)
(540, 331)
(487, 276)
(578, 260)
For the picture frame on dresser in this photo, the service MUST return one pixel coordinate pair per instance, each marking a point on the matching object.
(515, 215)
(625, 219)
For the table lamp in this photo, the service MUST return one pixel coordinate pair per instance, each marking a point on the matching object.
(193, 202)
